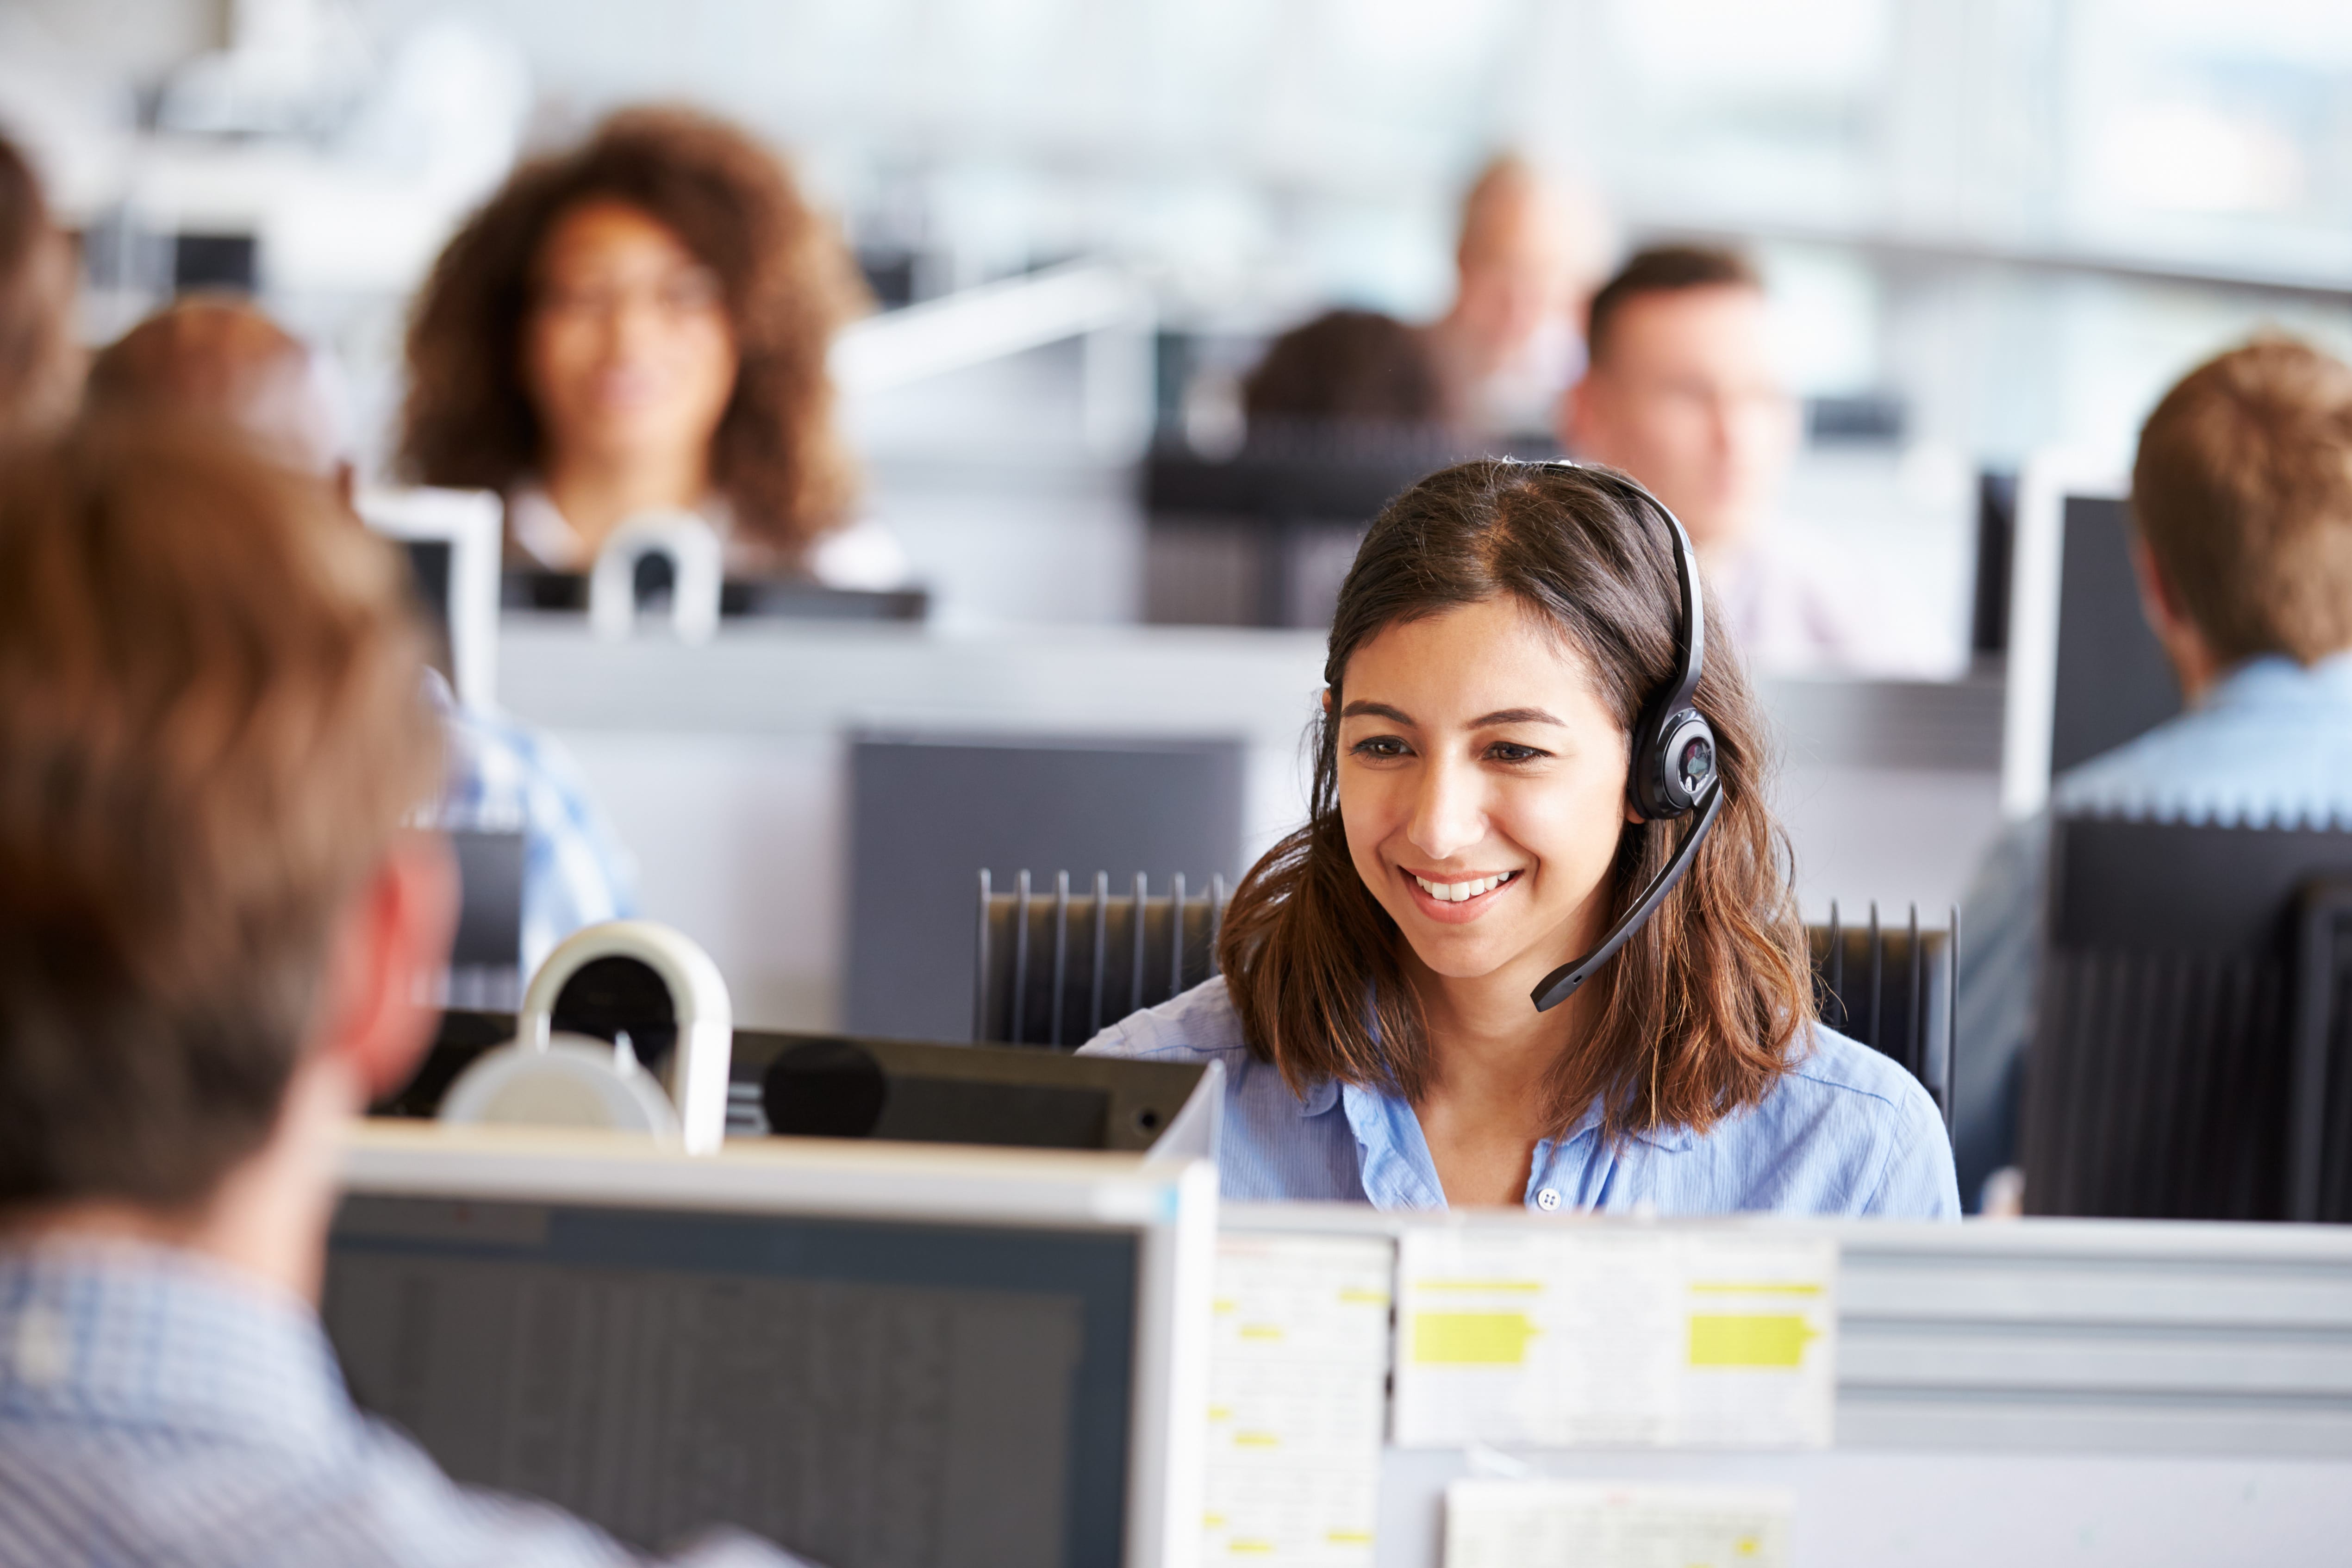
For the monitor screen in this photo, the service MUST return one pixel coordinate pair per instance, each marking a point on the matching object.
(429, 565)
(866, 1393)
(2111, 681)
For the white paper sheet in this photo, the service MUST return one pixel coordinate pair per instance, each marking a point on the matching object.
(1572, 1338)
(1297, 1402)
(1563, 1524)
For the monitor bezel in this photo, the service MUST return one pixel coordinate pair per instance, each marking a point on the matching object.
(2028, 703)
(1170, 1206)
(473, 523)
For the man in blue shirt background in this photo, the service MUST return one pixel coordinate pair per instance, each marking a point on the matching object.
(2242, 521)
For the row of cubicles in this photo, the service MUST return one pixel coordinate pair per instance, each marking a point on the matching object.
(2043, 1391)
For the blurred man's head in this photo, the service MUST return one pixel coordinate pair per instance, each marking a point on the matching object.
(2241, 497)
(1530, 251)
(1682, 390)
(220, 359)
(213, 924)
(40, 361)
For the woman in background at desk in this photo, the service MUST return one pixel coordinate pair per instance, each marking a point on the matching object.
(640, 328)
(1514, 770)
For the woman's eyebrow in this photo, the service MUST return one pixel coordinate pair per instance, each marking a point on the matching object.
(1375, 710)
(1514, 716)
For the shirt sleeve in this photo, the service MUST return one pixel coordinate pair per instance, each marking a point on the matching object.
(2000, 961)
(576, 872)
(1918, 1183)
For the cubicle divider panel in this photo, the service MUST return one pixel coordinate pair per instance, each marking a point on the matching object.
(2126, 1371)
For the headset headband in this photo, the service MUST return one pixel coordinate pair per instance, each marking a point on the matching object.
(1673, 752)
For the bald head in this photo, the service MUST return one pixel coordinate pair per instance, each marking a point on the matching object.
(222, 359)
(1530, 251)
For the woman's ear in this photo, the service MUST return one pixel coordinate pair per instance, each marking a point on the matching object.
(1326, 702)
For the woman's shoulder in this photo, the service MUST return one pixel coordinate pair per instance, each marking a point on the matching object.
(1200, 1025)
(1850, 1131)
(1837, 1064)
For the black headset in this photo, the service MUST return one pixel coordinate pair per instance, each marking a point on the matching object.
(1673, 770)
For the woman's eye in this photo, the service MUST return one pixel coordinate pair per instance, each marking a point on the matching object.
(1379, 746)
(1503, 751)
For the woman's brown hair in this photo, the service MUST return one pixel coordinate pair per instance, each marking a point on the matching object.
(1706, 1005)
(786, 278)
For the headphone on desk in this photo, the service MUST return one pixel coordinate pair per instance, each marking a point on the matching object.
(1673, 771)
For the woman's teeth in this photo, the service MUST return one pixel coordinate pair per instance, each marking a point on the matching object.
(1455, 891)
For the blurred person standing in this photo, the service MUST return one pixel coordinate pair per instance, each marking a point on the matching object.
(220, 360)
(640, 327)
(40, 359)
(1683, 392)
(1530, 253)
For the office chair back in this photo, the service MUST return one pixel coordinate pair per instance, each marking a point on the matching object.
(1054, 968)
(1056, 960)
(2187, 1059)
(1893, 988)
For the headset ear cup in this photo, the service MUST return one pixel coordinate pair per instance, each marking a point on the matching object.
(1672, 764)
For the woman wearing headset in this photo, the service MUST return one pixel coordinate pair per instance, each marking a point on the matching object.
(1512, 771)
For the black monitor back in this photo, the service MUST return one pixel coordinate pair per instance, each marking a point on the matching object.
(840, 1086)
(2113, 682)
(926, 810)
(486, 955)
(2187, 1059)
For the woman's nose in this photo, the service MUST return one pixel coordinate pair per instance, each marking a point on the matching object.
(1449, 810)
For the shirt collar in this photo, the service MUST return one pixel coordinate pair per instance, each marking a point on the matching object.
(152, 1337)
(2272, 677)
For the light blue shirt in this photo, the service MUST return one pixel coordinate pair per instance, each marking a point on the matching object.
(1846, 1131)
(502, 775)
(2271, 743)
(155, 1408)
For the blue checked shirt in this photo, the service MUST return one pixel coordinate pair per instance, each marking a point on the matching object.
(2271, 743)
(156, 1409)
(505, 777)
(1846, 1132)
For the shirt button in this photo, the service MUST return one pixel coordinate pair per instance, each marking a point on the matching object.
(1547, 1199)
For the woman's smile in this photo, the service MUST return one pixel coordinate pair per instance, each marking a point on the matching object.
(1458, 898)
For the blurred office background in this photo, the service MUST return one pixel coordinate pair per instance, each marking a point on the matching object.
(1990, 228)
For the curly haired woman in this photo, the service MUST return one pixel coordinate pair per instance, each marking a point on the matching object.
(637, 326)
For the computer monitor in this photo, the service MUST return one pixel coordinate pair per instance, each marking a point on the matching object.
(871, 1354)
(2085, 673)
(453, 539)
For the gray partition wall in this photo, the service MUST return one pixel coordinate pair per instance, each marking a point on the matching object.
(928, 813)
